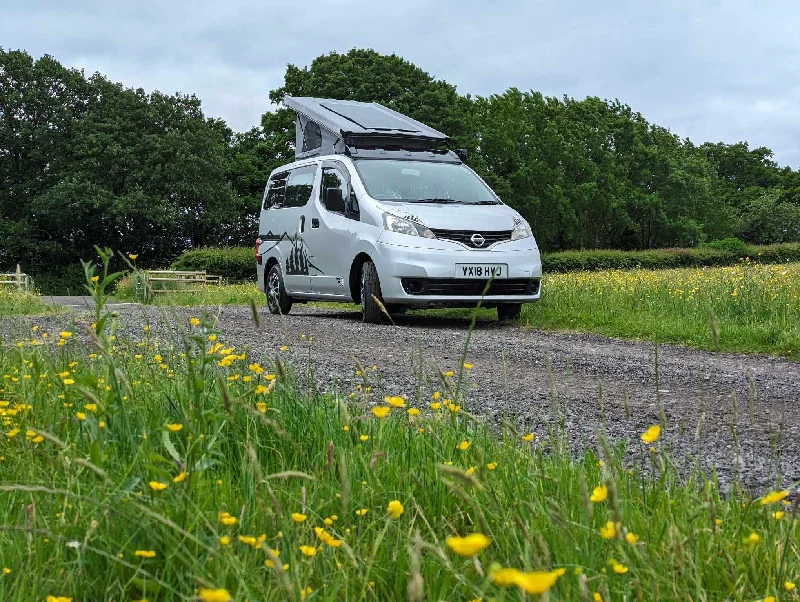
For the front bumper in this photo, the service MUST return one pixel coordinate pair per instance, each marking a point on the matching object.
(417, 275)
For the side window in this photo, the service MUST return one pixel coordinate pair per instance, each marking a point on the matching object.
(333, 190)
(299, 186)
(312, 136)
(276, 189)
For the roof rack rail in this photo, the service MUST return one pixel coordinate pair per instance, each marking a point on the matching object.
(326, 126)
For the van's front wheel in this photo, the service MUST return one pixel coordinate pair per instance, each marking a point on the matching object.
(509, 311)
(370, 291)
(278, 302)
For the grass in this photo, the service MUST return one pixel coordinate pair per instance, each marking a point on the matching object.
(185, 469)
(749, 307)
(17, 303)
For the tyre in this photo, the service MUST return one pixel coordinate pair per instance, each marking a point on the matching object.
(370, 290)
(278, 302)
(509, 311)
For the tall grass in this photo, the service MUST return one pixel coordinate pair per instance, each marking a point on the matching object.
(14, 302)
(183, 468)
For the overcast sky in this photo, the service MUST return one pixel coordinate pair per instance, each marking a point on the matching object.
(712, 71)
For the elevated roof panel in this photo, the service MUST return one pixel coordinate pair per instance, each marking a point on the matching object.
(348, 117)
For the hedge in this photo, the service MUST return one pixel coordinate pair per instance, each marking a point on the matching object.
(236, 264)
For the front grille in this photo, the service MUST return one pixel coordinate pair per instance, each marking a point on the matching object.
(465, 237)
(471, 287)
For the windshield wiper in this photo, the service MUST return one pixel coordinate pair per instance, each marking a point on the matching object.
(443, 201)
(485, 203)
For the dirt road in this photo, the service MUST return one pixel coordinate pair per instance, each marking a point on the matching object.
(591, 379)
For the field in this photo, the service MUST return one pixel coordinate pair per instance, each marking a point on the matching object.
(745, 308)
(176, 467)
(15, 303)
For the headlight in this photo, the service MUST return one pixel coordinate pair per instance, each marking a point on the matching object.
(521, 230)
(405, 226)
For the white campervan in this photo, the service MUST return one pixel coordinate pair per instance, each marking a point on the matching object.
(374, 209)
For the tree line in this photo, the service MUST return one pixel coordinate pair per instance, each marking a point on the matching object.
(85, 161)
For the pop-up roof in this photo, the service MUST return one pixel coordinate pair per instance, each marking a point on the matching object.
(325, 126)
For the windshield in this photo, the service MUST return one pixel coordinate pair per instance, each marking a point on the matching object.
(422, 181)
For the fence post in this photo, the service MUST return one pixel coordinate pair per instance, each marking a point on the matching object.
(19, 279)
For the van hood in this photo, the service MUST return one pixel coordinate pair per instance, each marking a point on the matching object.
(456, 217)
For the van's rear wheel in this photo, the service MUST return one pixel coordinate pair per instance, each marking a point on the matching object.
(509, 311)
(370, 290)
(278, 302)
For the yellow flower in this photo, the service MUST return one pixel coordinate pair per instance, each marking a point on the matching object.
(449, 373)
(491, 465)
(214, 595)
(68, 381)
(298, 518)
(767, 598)
(256, 368)
(771, 498)
(157, 486)
(464, 445)
(247, 540)
(413, 412)
(651, 434)
(95, 278)
(284, 348)
(619, 569)
(261, 407)
(305, 592)
(753, 538)
(631, 538)
(361, 512)
(528, 438)
(395, 402)
(174, 428)
(194, 321)
(467, 366)
(599, 494)
(778, 515)
(597, 597)
(58, 599)
(609, 531)
(471, 470)
(537, 582)
(179, 477)
(308, 550)
(65, 334)
(228, 520)
(80, 415)
(453, 408)
(395, 509)
(436, 405)
(346, 428)
(363, 438)
(504, 577)
(90, 407)
(436, 395)
(145, 553)
(6, 570)
(261, 390)
(380, 411)
(718, 521)
(224, 540)
(788, 586)
(133, 256)
(470, 545)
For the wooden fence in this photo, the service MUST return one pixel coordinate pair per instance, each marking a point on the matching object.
(16, 279)
(156, 282)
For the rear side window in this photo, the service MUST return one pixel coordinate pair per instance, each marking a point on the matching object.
(276, 190)
(299, 186)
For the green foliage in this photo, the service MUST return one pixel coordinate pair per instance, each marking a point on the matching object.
(155, 470)
(234, 264)
(14, 302)
(719, 253)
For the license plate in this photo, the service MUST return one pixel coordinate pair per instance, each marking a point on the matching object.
(481, 270)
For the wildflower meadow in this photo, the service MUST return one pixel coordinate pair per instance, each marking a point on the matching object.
(169, 465)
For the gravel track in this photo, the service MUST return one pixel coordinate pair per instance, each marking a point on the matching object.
(589, 377)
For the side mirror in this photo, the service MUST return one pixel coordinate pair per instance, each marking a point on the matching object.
(334, 201)
(462, 154)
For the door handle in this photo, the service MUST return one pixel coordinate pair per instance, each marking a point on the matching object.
(314, 222)
(302, 223)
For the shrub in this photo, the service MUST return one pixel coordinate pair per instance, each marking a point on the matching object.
(732, 245)
(234, 264)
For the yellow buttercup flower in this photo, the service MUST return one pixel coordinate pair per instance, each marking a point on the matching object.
(308, 550)
(380, 411)
(90, 407)
(228, 520)
(504, 577)
(778, 515)
(435, 405)
(361, 512)
(631, 538)
(597, 597)
(58, 599)
(619, 569)
(157, 486)
(528, 438)
(395, 509)
(753, 538)
(491, 465)
(133, 256)
(537, 582)
(363, 437)
(599, 494)
(214, 595)
(248, 540)
(179, 478)
(772, 497)
(470, 545)
(608, 531)
(194, 321)
(788, 585)
(651, 434)
(261, 407)
(395, 402)
(413, 412)
(80, 415)
(467, 366)
(174, 428)
(145, 553)
(464, 445)
(65, 334)
(224, 540)
(298, 518)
